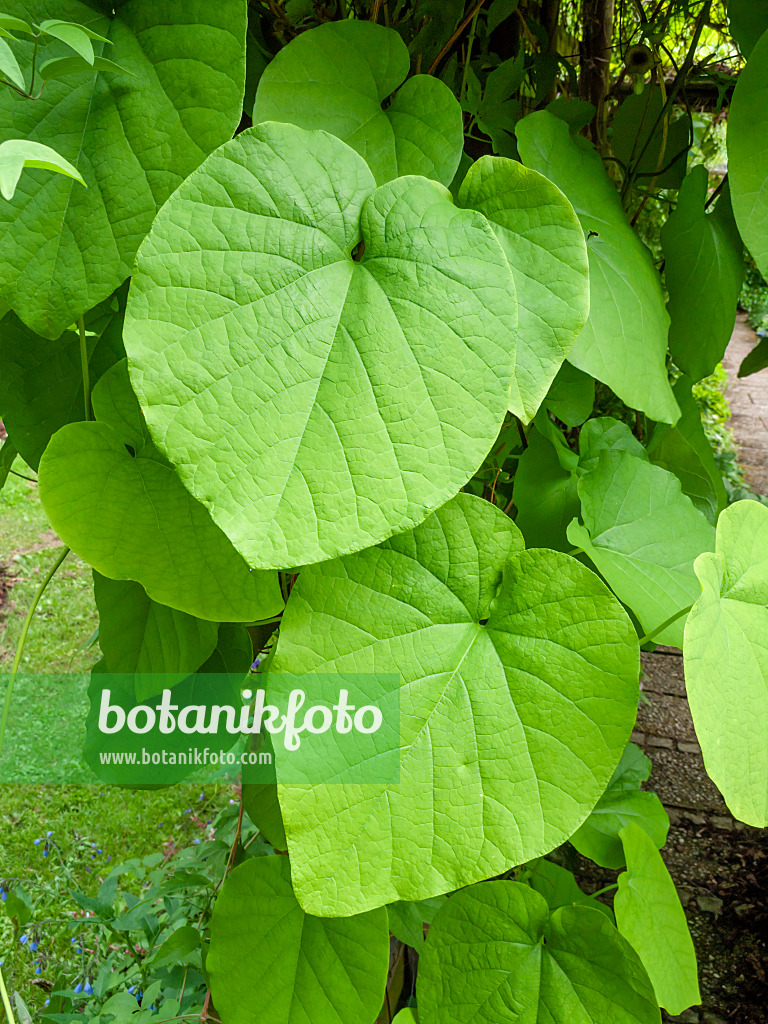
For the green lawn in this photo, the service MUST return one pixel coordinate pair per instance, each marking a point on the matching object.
(47, 725)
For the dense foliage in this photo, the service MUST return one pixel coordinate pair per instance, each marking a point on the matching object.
(332, 333)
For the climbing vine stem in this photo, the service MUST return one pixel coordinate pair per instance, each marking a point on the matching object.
(22, 640)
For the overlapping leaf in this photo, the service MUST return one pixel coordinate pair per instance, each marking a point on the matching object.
(747, 20)
(726, 660)
(527, 964)
(519, 690)
(650, 917)
(41, 381)
(337, 76)
(623, 803)
(624, 342)
(327, 362)
(641, 140)
(704, 272)
(643, 534)
(748, 153)
(301, 969)
(544, 244)
(133, 136)
(116, 502)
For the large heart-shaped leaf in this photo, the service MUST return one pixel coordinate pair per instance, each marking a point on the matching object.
(643, 535)
(337, 76)
(622, 803)
(654, 148)
(544, 243)
(301, 969)
(650, 917)
(726, 661)
(624, 342)
(327, 363)
(519, 690)
(133, 135)
(748, 153)
(526, 964)
(704, 272)
(116, 502)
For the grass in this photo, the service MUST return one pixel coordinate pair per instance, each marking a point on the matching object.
(46, 727)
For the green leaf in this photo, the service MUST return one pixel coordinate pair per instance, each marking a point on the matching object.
(11, 24)
(120, 506)
(643, 534)
(527, 964)
(16, 154)
(406, 1016)
(638, 126)
(176, 949)
(650, 917)
(134, 134)
(685, 451)
(519, 690)
(605, 434)
(726, 661)
(755, 360)
(704, 274)
(577, 114)
(407, 920)
(545, 494)
(571, 396)
(300, 968)
(748, 153)
(544, 244)
(8, 455)
(76, 36)
(623, 803)
(260, 799)
(336, 77)
(9, 67)
(747, 20)
(624, 342)
(41, 381)
(60, 67)
(138, 636)
(499, 11)
(201, 689)
(559, 888)
(269, 361)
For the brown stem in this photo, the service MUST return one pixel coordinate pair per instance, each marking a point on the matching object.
(436, 62)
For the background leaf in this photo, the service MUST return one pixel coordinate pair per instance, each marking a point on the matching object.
(704, 272)
(337, 76)
(134, 136)
(624, 342)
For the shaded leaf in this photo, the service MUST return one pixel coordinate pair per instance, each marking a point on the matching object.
(624, 342)
(16, 154)
(704, 273)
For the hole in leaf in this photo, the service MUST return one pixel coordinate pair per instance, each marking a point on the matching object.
(131, 451)
(483, 622)
(357, 252)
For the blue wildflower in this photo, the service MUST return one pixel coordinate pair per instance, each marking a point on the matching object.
(33, 946)
(23, 939)
(78, 987)
(36, 842)
(38, 971)
(49, 833)
(88, 989)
